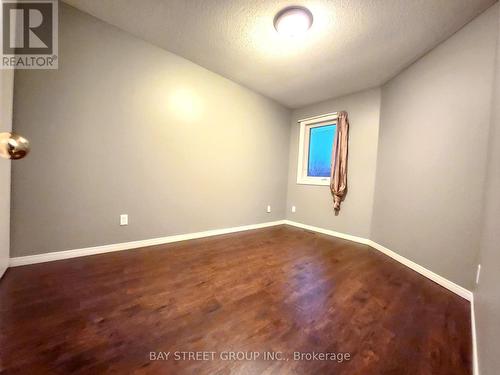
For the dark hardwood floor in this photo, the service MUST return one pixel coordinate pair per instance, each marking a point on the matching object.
(278, 289)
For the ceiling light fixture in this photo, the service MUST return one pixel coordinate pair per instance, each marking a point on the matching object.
(293, 21)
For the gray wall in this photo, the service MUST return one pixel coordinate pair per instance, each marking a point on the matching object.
(487, 294)
(6, 94)
(432, 153)
(314, 203)
(126, 127)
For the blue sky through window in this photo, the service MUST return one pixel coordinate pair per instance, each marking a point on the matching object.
(320, 150)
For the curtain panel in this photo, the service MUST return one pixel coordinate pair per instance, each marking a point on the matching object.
(338, 181)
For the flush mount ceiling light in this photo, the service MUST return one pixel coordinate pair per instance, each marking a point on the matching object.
(293, 21)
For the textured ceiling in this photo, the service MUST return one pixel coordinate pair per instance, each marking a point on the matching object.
(352, 45)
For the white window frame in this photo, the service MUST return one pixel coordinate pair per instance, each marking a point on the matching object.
(305, 127)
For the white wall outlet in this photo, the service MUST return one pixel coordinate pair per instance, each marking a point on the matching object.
(124, 219)
(268, 208)
(478, 273)
(294, 209)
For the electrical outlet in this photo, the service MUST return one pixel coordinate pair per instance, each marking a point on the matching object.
(294, 209)
(478, 273)
(268, 209)
(124, 219)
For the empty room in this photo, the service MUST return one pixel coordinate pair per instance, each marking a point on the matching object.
(250, 187)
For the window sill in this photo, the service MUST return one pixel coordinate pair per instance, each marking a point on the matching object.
(314, 181)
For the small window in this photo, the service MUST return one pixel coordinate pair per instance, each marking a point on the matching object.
(315, 149)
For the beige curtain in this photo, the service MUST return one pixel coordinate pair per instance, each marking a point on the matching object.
(338, 184)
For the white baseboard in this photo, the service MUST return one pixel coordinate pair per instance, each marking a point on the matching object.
(47, 257)
(58, 255)
(475, 356)
(450, 285)
(455, 288)
(3, 269)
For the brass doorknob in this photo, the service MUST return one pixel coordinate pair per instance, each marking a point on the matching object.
(13, 146)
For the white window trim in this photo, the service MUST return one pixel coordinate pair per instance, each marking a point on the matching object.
(305, 125)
